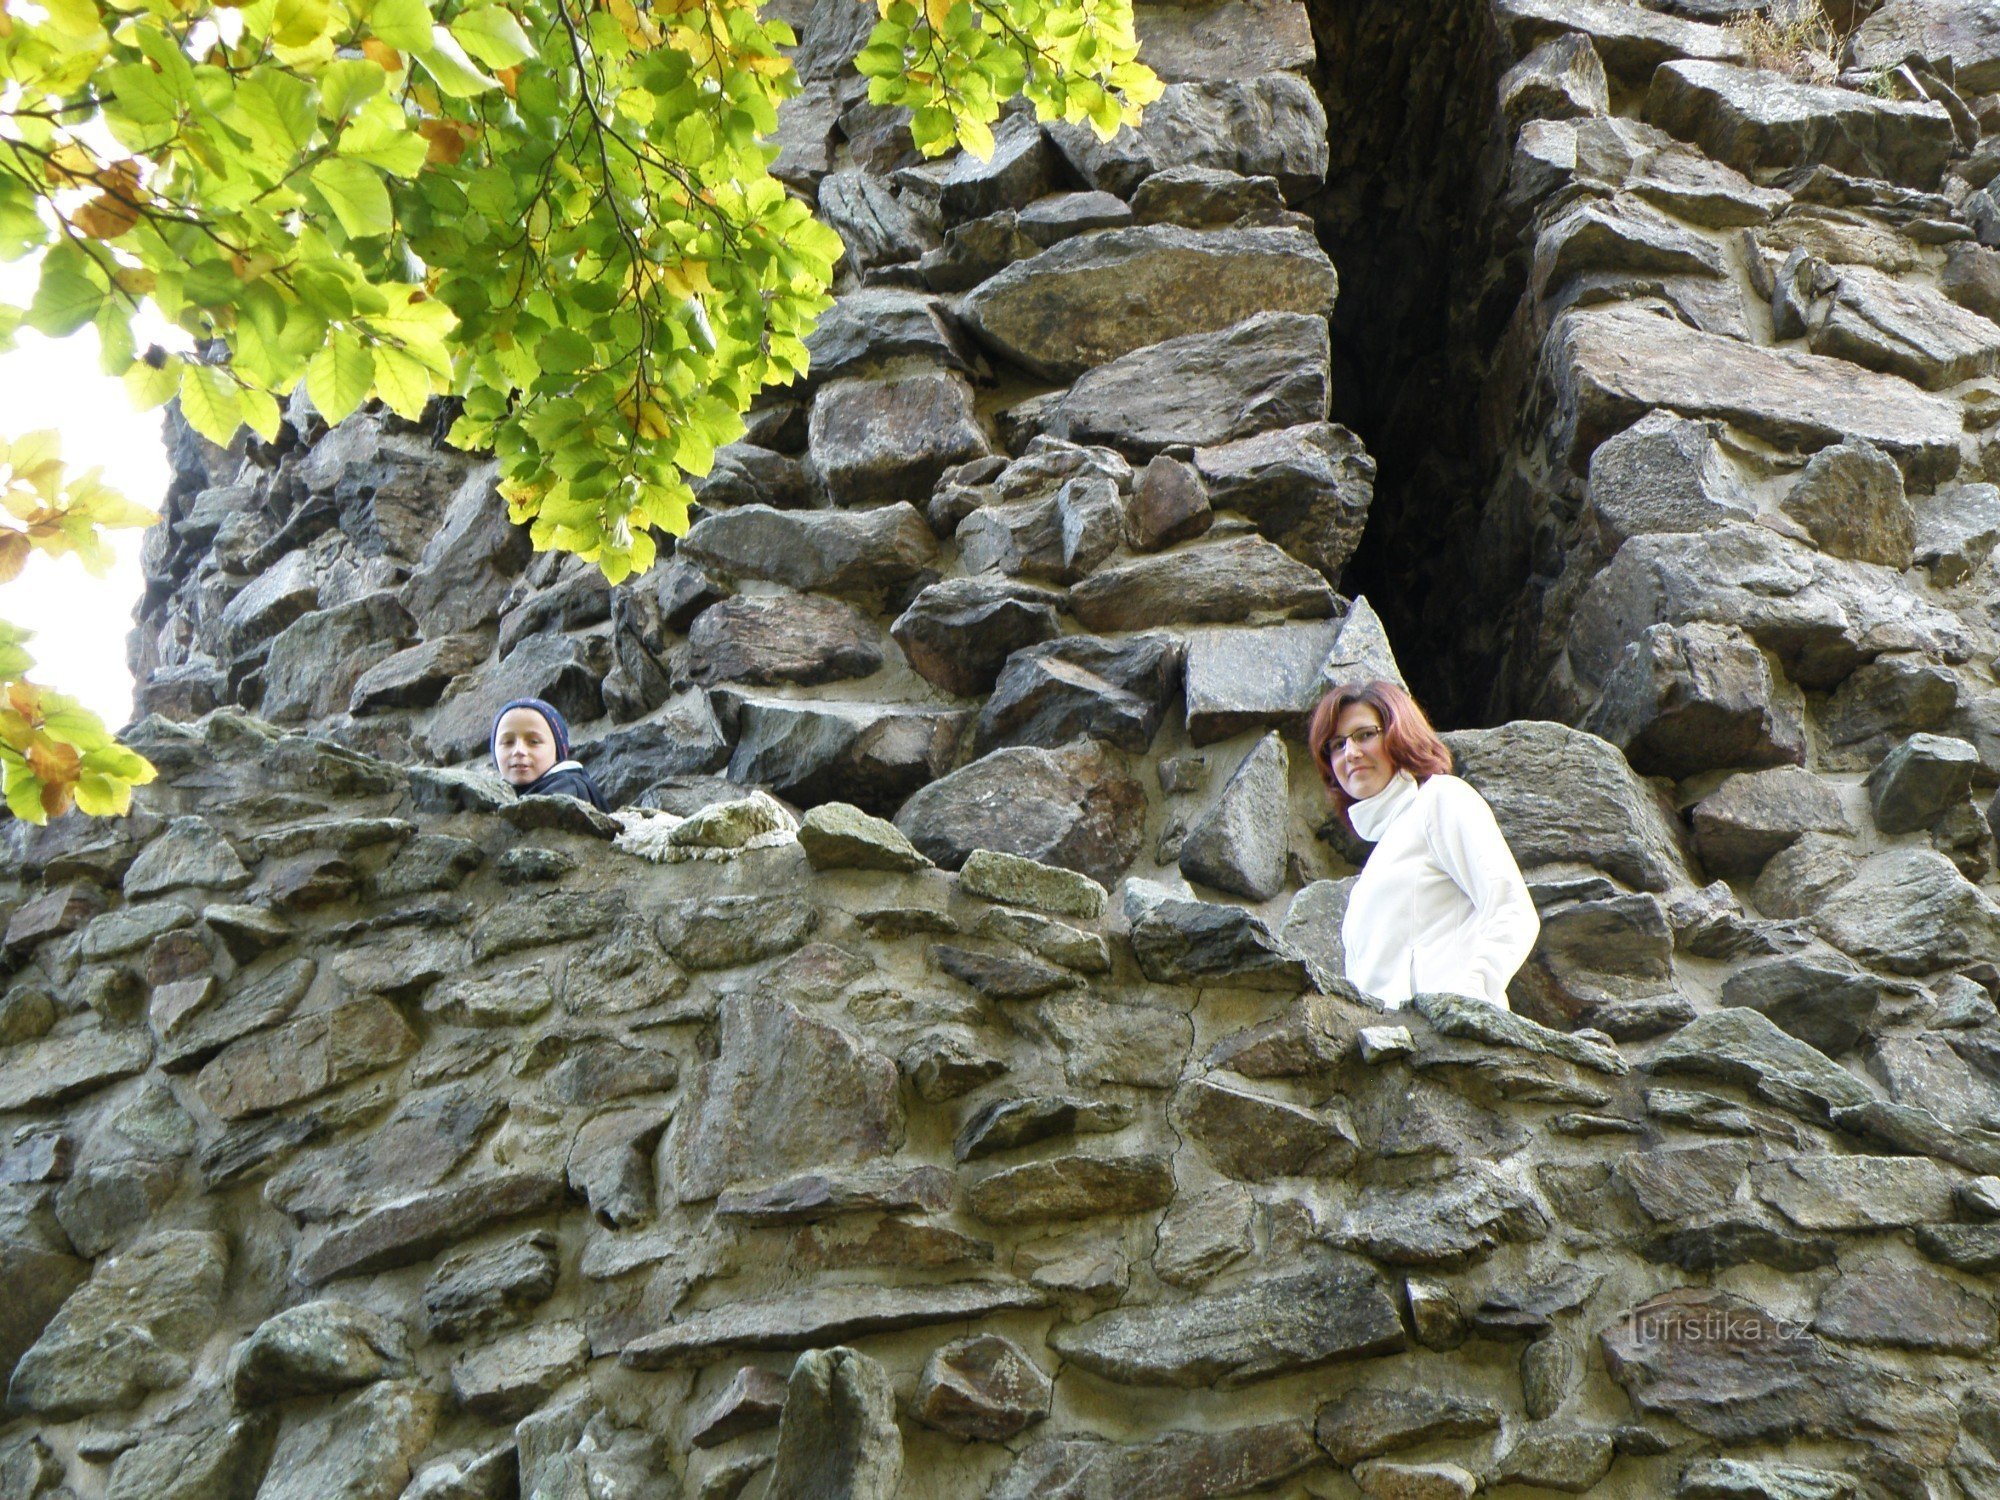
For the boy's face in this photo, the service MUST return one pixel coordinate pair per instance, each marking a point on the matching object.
(523, 746)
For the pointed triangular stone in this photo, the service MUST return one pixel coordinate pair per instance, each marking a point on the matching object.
(1361, 651)
(1239, 844)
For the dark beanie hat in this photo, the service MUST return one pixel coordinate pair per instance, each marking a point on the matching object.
(557, 726)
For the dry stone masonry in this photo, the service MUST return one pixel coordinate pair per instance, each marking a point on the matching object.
(938, 1080)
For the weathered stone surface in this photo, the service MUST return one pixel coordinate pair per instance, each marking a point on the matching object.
(1911, 912)
(1169, 504)
(1963, 41)
(314, 1349)
(786, 1092)
(1203, 1233)
(1900, 328)
(1253, 1137)
(1058, 538)
(959, 633)
(1267, 372)
(1333, 1312)
(1754, 119)
(1914, 783)
(879, 441)
(1459, 1217)
(417, 1228)
(1742, 1046)
(1854, 1192)
(1209, 582)
(1731, 1371)
(1178, 1466)
(222, 1461)
(1071, 1187)
(1268, 126)
(872, 327)
(511, 1377)
(825, 1195)
(1115, 691)
(1734, 1479)
(1074, 808)
(1663, 473)
(1262, 678)
(315, 661)
(1562, 795)
(818, 1316)
(1257, 36)
(1369, 1422)
(837, 1438)
(469, 1474)
(1749, 818)
(1025, 882)
(830, 552)
(1559, 80)
(872, 223)
(1088, 300)
(303, 1058)
(190, 853)
(1182, 941)
(1383, 1480)
(51, 914)
(416, 676)
(1613, 365)
(40, 1073)
(754, 1399)
(132, 1329)
(1823, 1001)
(838, 836)
(1633, 41)
(363, 1447)
(1883, 1303)
(1695, 698)
(871, 754)
(576, 1451)
(985, 1387)
(479, 1290)
(1239, 844)
(774, 638)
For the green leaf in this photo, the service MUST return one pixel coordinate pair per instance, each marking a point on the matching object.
(402, 24)
(143, 96)
(210, 402)
(492, 34)
(260, 413)
(401, 382)
(149, 386)
(67, 297)
(298, 23)
(354, 191)
(349, 83)
(447, 63)
(380, 137)
(339, 376)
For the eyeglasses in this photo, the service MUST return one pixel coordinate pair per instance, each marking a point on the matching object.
(1363, 740)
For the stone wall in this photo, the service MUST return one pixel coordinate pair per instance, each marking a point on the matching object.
(939, 1080)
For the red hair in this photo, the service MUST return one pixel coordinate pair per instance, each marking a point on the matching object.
(1407, 735)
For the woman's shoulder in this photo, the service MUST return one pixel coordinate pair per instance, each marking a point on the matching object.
(1450, 793)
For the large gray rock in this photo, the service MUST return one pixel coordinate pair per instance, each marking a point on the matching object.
(1562, 796)
(1820, 616)
(1178, 940)
(303, 1058)
(1336, 1311)
(1883, 1304)
(1177, 1466)
(1560, 80)
(838, 1439)
(417, 676)
(1911, 912)
(1823, 1000)
(1269, 371)
(1887, 323)
(819, 1316)
(1735, 1373)
(1018, 171)
(315, 661)
(1742, 1046)
(1663, 473)
(1058, 539)
(1755, 119)
(1254, 1138)
(1749, 818)
(1696, 697)
(314, 1349)
(786, 1092)
(859, 554)
(1268, 126)
(1851, 499)
(1075, 807)
(957, 634)
(873, 326)
(363, 1447)
(1088, 300)
(873, 755)
(1633, 41)
(878, 441)
(221, 1460)
(1917, 781)
(419, 1226)
(470, 561)
(1239, 845)
(773, 638)
(1960, 38)
(1206, 582)
(1075, 687)
(576, 1451)
(271, 601)
(1236, 41)
(191, 852)
(1265, 677)
(683, 738)
(982, 1387)
(133, 1329)
(871, 221)
(1306, 488)
(1451, 1220)
(1610, 366)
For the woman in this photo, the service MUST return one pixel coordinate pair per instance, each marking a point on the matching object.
(1440, 905)
(531, 748)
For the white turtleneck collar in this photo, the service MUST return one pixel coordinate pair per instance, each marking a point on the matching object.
(1371, 816)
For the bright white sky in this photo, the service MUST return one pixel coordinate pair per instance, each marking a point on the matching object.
(79, 621)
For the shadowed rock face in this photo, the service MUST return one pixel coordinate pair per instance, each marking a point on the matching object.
(968, 983)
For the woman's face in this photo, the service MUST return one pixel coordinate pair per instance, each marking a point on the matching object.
(1361, 761)
(524, 746)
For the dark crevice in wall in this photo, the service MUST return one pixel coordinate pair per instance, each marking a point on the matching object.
(1416, 159)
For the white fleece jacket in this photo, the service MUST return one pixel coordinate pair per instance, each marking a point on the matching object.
(1440, 905)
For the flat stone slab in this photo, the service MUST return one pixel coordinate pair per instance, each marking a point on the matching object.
(417, 1228)
(1245, 1334)
(818, 1317)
